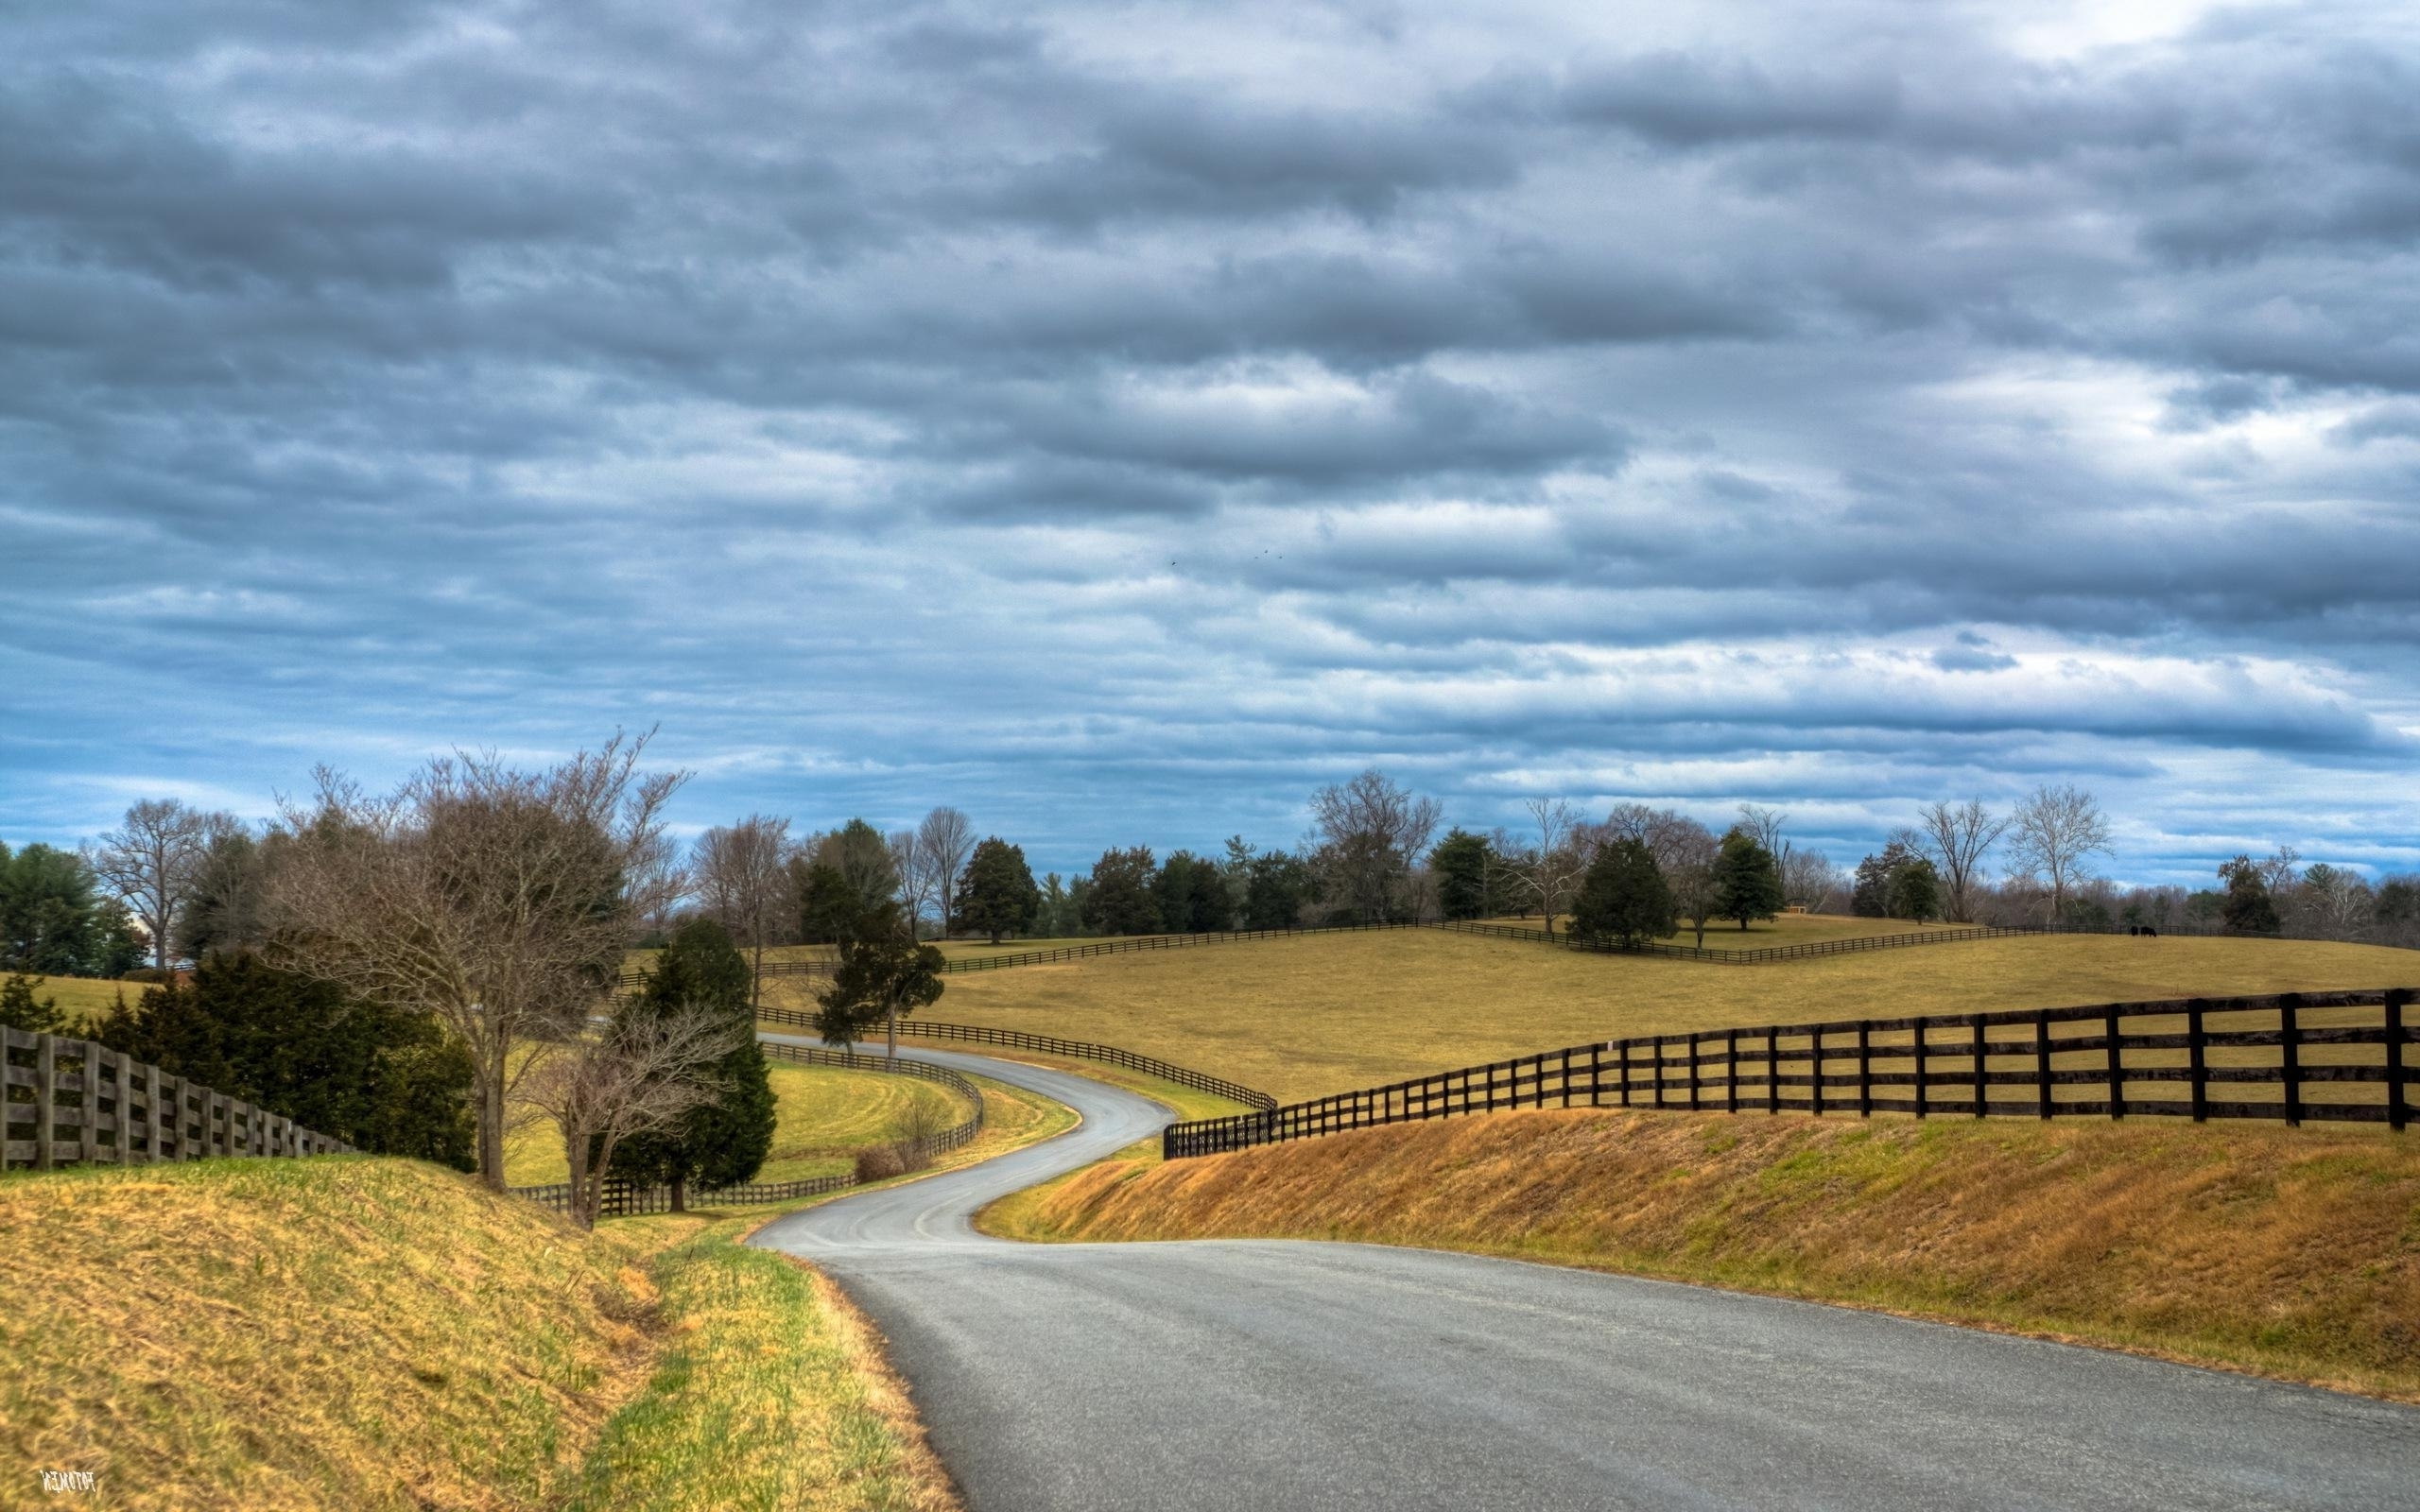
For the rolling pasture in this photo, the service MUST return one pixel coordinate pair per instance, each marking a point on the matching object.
(1301, 1018)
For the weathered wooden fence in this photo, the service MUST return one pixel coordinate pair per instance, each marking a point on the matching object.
(2296, 1057)
(73, 1101)
(624, 1199)
(1052, 1045)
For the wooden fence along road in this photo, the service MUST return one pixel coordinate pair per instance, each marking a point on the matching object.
(72, 1101)
(622, 1199)
(1051, 1045)
(2301, 1056)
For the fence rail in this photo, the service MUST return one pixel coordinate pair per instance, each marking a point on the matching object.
(74, 1101)
(622, 1199)
(2295, 1056)
(1052, 1045)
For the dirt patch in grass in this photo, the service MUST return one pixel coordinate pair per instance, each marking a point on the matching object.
(2294, 1253)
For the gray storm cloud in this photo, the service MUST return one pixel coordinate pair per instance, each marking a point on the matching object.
(1114, 421)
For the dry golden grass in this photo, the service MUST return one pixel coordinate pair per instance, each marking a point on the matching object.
(1788, 928)
(1301, 1018)
(2286, 1252)
(333, 1332)
(822, 1116)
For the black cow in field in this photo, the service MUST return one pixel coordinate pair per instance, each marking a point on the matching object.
(2142, 929)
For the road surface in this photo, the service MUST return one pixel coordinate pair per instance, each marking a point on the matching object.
(1286, 1375)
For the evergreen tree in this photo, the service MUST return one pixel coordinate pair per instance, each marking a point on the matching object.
(1747, 884)
(2247, 909)
(1459, 863)
(54, 922)
(1192, 896)
(1623, 899)
(828, 906)
(388, 1082)
(883, 973)
(226, 908)
(1278, 888)
(1915, 890)
(1870, 897)
(723, 1142)
(21, 1009)
(1121, 900)
(995, 893)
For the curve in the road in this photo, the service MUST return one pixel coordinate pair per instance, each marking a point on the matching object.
(1208, 1374)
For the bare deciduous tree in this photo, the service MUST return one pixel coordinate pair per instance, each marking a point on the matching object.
(1558, 861)
(640, 1073)
(496, 901)
(2334, 901)
(150, 862)
(1956, 837)
(743, 884)
(1810, 879)
(1686, 852)
(1372, 829)
(945, 838)
(2054, 834)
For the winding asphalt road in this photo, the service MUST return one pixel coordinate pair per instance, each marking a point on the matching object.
(1283, 1375)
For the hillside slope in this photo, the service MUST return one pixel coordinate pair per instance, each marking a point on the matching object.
(1302, 1017)
(298, 1333)
(2294, 1253)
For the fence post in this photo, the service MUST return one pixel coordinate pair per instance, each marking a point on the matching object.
(1983, 1075)
(1595, 1071)
(2041, 1059)
(1659, 1072)
(1772, 1069)
(2289, 1045)
(1693, 1072)
(1566, 1079)
(1731, 1071)
(1920, 1065)
(2399, 1111)
(1864, 1071)
(1625, 1068)
(2197, 1057)
(91, 1144)
(2116, 1064)
(45, 1101)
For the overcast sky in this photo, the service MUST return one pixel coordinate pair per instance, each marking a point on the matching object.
(1118, 420)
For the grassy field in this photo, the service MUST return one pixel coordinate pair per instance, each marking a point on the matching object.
(1788, 928)
(1305, 1017)
(2287, 1252)
(85, 1000)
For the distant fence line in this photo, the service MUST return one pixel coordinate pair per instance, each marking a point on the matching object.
(622, 1199)
(2311, 1047)
(1052, 1045)
(74, 1101)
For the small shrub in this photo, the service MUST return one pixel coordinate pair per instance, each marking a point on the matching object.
(880, 1162)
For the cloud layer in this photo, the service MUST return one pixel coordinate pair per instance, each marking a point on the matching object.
(1116, 420)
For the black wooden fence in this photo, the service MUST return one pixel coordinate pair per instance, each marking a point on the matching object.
(73, 1101)
(622, 1199)
(2296, 1057)
(1052, 1045)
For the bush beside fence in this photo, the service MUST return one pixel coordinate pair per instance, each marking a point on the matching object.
(2329, 1055)
(622, 1199)
(73, 1101)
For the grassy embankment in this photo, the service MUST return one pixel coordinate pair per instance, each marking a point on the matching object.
(2292, 1253)
(364, 1333)
(1302, 1018)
